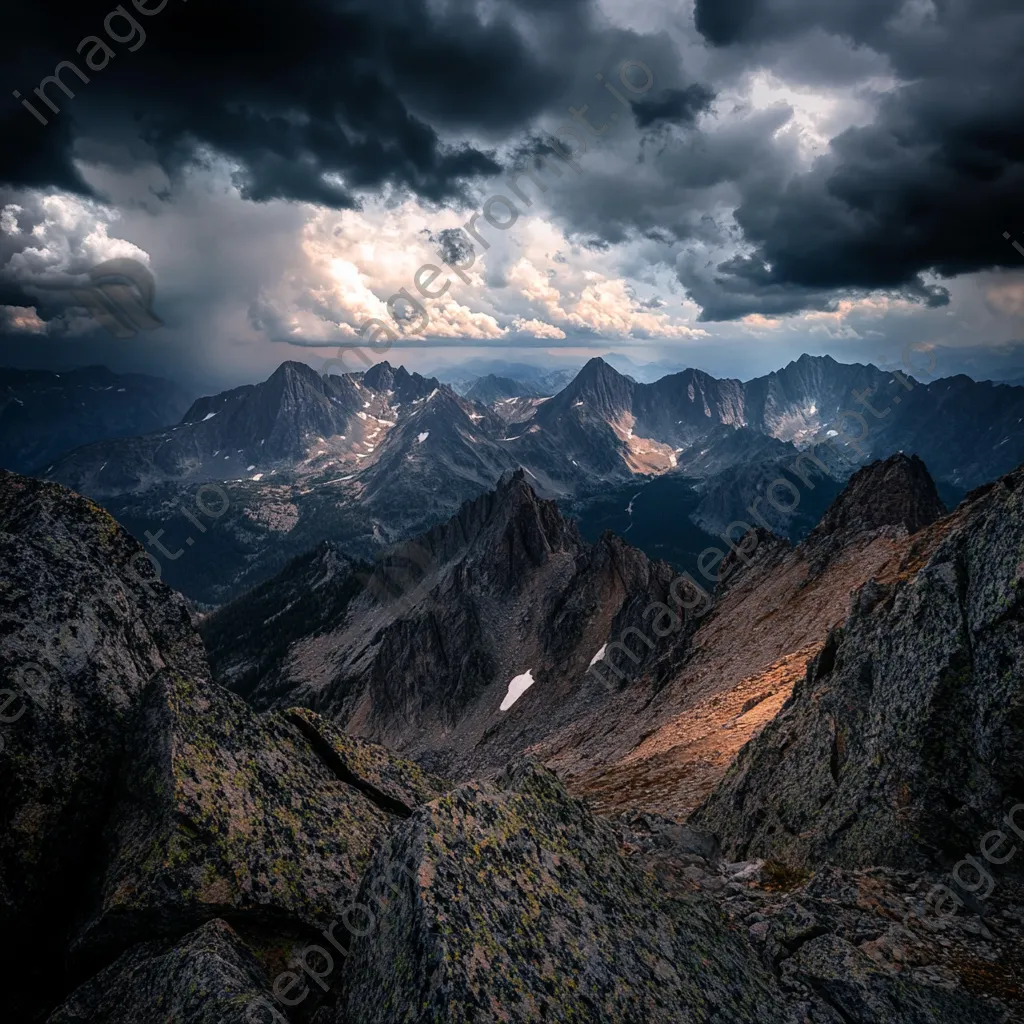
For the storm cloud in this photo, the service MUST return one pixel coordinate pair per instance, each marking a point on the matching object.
(925, 191)
(316, 100)
(805, 174)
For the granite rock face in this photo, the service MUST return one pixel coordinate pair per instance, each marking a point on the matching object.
(140, 800)
(222, 811)
(81, 635)
(896, 495)
(208, 977)
(904, 744)
(520, 908)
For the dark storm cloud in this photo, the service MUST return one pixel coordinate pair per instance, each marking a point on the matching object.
(930, 186)
(673, 106)
(724, 22)
(313, 100)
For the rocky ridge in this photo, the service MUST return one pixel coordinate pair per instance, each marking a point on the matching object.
(903, 743)
(422, 658)
(774, 605)
(213, 867)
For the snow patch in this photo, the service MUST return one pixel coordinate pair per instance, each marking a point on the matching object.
(258, 476)
(249, 469)
(519, 685)
(598, 657)
(208, 416)
(420, 438)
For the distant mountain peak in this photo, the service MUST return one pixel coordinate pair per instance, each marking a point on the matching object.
(292, 369)
(601, 386)
(383, 377)
(492, 388)
(596, 369)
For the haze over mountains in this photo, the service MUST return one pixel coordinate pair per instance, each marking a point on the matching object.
(367, 459)
(43, 415)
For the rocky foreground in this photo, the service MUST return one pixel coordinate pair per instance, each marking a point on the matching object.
(169, 854)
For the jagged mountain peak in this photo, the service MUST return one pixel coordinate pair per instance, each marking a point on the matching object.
(600, 388)
(407, 387)
(294, 369)
(597, 369)
(509, 517)
(897, 491)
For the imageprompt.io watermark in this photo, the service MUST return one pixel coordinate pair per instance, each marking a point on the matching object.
(119, 297)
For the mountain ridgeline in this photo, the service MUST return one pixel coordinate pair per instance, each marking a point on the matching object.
(368, 459)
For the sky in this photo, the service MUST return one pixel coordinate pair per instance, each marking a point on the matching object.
(719, 183)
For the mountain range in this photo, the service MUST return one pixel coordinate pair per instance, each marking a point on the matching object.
(367, 459)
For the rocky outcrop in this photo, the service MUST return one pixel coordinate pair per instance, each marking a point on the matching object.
(422, 658)
(139, 799)
(208, 977)
(221, 812)
(864, 946)
(82, 632)
(517, 906)
(904, 744)
(511, 901)
(896, 494)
